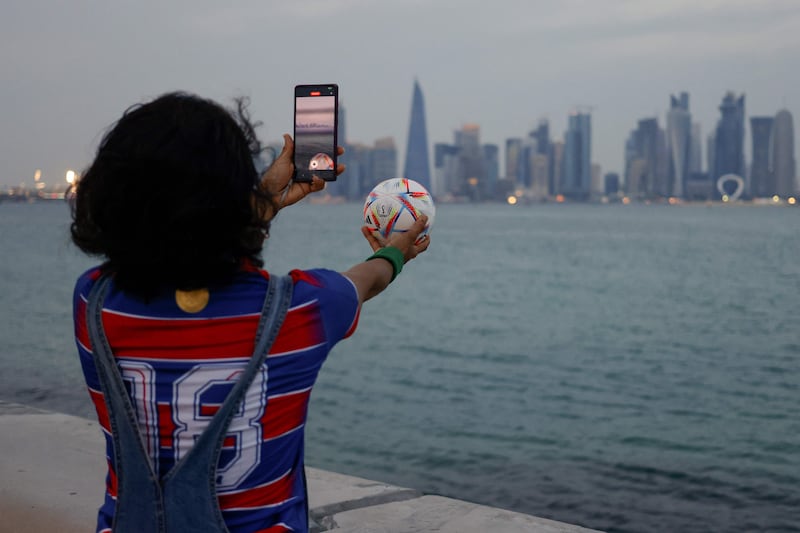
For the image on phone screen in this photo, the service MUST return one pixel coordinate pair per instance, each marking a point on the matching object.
(315, 123)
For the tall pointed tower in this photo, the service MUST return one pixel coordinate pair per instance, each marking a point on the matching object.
(417, 165)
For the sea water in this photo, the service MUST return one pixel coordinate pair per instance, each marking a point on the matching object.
(626, 368)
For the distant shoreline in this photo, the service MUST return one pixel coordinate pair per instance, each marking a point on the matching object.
(521, 202)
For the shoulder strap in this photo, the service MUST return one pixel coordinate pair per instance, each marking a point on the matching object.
(137, 483)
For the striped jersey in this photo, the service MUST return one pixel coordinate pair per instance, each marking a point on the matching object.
(178, 368)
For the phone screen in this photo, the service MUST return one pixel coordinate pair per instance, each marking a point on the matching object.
(315, 125)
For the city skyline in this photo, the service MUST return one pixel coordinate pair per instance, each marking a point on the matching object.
(675, 164)
(69, 74)
(660, 162)
(677, 105)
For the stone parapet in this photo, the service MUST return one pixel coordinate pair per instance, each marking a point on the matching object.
(52, 475)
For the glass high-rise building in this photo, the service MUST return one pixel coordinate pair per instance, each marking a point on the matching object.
(762, 180)
(544, 146)
(445, 158)
(611, 184)
(679, 132)
(696, 150)
(577, 178)
(417, 165)
(383, 161)
(491, 158)
(542, 137)
(783, 162)
(514, 164)
(729, 139)
(471, 173)
(557, 166)
(645, 155)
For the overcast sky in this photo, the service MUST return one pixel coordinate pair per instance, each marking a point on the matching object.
(69, 68)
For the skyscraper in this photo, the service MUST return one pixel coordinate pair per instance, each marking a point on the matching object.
(471, 172)
(557, 166)
(544, 146)
(729, 139)
(577, 178)
(538, 165)
(514, 161)
(383, 161)
(597, 180)
(783, 162)
(417, 165)
(611, 184)
(358, 170)
(645, 155)
(542, 137)
(491, 158)
(762, 180)
(711, 146)
(445, 163)
(696, 150)
(679, 131)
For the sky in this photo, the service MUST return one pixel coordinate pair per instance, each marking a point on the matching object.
(70, 68)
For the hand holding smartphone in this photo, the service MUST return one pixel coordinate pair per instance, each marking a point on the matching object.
(316, 121)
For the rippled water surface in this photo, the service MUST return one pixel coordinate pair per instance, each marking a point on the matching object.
(631, 369)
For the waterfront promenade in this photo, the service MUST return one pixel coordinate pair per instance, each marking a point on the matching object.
(52, 470)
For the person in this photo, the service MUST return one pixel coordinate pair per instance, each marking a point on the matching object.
(175, 209)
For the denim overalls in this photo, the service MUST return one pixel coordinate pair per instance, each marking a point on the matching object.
(185, 500)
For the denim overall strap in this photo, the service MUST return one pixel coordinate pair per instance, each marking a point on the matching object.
(190, 496)
(139, 507)
(186, 500)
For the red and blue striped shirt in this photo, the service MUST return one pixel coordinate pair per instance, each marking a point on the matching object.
(179, 367)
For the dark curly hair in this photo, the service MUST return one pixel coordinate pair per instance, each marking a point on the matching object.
(172, 198)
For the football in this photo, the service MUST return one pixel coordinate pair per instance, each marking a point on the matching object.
(395, 204)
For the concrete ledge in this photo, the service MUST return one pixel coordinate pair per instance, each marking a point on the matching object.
(52, 475)
(444, 515)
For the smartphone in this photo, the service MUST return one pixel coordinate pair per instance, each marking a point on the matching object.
(316, 121)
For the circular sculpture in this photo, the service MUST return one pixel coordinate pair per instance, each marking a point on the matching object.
(727, 178)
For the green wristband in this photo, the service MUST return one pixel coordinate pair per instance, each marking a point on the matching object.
(393, 255)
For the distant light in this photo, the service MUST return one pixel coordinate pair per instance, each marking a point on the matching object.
(37, 175)
(792, 200)
(560, 198)
(776, 198)
(626, 200)
(725, 198)
(70, 176)
(673, 200)
(473, 181)
(512, 200)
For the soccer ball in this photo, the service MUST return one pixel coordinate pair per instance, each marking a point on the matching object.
(321, 161)
(393, 206)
